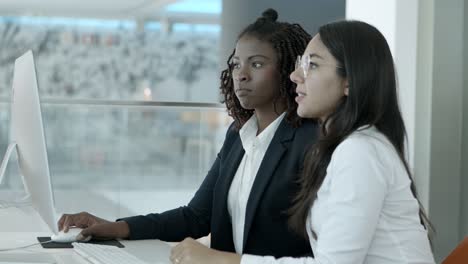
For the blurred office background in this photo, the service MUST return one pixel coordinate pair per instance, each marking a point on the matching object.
(131, 104)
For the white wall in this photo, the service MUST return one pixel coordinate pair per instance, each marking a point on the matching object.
(405, 56)
(423, 102)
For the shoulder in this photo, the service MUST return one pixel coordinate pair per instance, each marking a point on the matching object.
(368, 142)
(232, 130)
(365, 155)
(232, 134)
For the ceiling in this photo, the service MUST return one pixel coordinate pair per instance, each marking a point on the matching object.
(112, 9)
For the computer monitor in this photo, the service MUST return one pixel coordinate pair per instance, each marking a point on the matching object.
(28, 133)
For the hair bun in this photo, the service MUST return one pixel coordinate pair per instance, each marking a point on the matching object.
(270, 14)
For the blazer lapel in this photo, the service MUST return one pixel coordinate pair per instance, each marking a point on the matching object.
(221, 219)
(229, 170)
(273, 155)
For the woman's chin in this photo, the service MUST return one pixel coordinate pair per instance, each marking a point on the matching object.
(303, 113)
(246, 105)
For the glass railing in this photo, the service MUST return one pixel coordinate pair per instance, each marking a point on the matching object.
(117, 159)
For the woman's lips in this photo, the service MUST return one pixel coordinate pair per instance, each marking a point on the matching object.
(243, 92)
(300, 96)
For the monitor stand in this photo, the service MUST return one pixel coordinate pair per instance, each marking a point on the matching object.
(25, 200)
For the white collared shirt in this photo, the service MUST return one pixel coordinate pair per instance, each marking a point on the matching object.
(365, 211)
(255, 148)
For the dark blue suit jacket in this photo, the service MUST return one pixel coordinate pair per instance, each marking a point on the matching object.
(266, 231)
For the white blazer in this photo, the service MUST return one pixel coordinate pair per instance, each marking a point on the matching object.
(365, 211)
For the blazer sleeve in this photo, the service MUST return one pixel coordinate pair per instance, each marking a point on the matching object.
(193, 220)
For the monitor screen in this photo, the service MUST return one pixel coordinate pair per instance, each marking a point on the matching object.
(28, 132)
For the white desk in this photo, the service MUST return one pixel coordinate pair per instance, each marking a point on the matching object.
(21, 226)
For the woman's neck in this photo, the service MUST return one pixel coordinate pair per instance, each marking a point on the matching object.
(268, 113)
(265, 118)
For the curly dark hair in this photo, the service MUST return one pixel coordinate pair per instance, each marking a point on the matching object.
(289, 41)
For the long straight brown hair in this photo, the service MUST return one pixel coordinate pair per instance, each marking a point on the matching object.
(366, 61)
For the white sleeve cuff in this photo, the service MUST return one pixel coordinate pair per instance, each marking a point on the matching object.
(252, 259)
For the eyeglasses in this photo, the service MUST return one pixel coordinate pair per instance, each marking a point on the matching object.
(304, 63)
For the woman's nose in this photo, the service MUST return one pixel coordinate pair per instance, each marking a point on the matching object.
(242, 76)
(296, 77)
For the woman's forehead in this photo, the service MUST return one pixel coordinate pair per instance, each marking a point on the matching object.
(316, 47)
(249, 46)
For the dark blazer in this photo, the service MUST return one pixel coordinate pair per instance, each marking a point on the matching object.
(266, 231)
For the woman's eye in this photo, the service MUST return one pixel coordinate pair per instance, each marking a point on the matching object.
(313, 65)
(257, 64)
(235, 65)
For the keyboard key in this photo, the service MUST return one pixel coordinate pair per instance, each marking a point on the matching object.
(100, 254)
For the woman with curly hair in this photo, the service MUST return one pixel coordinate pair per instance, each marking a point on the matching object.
(246, 193)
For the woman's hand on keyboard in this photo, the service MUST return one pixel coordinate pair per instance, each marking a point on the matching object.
(94, 226)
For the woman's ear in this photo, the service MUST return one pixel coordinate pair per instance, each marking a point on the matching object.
(346, 87)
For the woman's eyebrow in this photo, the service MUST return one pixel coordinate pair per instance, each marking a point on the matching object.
(315, 55)
(253, 56)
